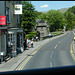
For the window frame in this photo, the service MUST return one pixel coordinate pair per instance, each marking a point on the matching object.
(7, 14)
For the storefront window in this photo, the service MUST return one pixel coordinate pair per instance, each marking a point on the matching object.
(11, 41)
(19, 40)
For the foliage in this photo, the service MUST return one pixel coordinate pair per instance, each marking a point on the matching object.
(55, 19)
(31, 34)
(28, 16)
(71, 9)
(70, 18)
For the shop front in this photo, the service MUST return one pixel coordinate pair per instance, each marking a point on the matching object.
(3, 41)
(15, 40)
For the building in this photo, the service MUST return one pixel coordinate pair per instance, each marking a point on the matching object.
(43, 28)
(3, 29)
(11, 34)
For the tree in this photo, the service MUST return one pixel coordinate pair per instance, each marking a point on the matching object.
(42, 16)
(28, 16)
(69, 20)
(55, 18)
(72, 9)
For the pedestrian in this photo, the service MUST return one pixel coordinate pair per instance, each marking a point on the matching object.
(36, 38)
(28, 42)
(49, 35)
(31, 42)
(32, 38)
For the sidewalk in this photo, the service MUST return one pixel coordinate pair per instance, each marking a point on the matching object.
(12, 64)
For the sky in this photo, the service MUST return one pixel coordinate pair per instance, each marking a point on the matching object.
(48, 5)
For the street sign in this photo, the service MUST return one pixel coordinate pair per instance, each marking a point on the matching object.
(18, 9)
(2, 20)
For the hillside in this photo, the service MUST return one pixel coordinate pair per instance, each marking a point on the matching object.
(63, 10)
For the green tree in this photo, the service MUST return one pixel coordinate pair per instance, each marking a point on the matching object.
(69, 20)
(28, 16)
(42, 16)
(55, 18)
(71, 9)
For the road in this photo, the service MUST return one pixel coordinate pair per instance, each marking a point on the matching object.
(55, 53)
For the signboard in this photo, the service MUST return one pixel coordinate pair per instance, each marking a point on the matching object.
(18, 9)
(2, 20)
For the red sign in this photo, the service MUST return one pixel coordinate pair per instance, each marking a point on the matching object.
(2, 20)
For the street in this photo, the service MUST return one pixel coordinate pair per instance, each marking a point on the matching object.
(55, 53)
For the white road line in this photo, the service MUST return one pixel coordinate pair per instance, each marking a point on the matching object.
(50, 64)
(55, 47)
(51, 54)
(59, 42)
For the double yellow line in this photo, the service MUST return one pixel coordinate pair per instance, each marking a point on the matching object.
(22, 66)
(71, 49)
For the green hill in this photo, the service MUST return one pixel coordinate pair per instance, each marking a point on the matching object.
(63, 10)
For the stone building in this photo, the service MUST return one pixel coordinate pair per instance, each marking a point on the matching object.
(11, 34)
(15, 32)
(43, 28)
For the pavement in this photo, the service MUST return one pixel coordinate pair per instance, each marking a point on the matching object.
(13, 63)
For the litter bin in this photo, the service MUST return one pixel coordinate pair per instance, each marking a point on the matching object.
(14, 53)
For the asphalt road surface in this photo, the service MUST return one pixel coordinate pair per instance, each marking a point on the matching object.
(56, 53)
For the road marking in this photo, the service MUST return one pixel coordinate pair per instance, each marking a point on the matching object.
(22, 66)
(55, 47)
(71, 50)
(51, 54)
(50, 64)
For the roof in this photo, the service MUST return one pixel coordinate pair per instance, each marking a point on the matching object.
(39, 21)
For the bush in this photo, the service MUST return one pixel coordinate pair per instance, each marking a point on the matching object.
(60, 29)
(35, 33)
(31, 34)
(58, 33)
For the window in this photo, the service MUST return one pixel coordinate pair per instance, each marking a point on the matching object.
(11, 40)
(7, 14)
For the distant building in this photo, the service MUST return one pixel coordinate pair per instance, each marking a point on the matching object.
(42, 27)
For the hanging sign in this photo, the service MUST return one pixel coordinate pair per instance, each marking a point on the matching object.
(2, 20)
(18, 9)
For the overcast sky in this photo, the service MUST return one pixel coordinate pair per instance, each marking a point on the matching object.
(48, 5)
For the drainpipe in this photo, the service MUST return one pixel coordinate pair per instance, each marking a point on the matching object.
(7, 32)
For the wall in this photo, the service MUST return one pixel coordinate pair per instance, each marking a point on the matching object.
(13, 17)
(2, 7)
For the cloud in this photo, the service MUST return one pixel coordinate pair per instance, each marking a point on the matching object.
(44, 6)
(73, 3)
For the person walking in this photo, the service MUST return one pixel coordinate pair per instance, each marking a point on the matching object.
(49, 35)
(36, 38)
(31, 42)
(28, 42)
